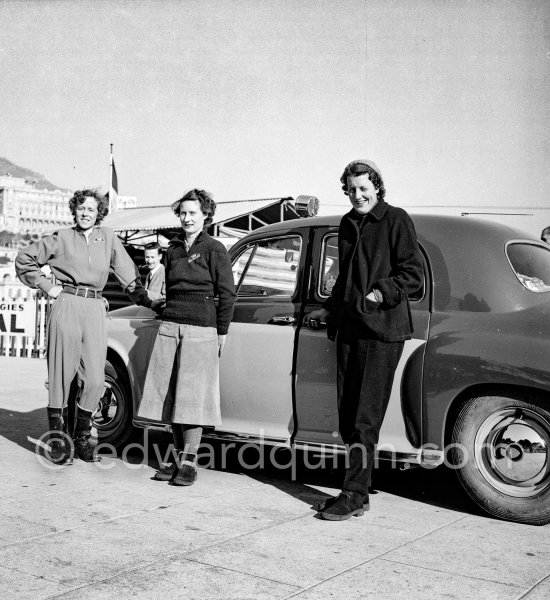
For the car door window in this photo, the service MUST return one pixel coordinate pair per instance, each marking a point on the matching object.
(330, 267)
(239, 265)
(268, 267)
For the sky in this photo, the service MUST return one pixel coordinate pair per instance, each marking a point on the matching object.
(272, 98)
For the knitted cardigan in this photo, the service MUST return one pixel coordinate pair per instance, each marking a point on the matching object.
(194, 278)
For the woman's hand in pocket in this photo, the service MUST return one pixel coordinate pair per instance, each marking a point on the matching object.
(375, 296)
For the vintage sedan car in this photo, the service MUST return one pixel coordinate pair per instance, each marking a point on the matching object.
(472, 390)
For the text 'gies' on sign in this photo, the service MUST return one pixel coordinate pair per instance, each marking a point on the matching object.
(17, 317)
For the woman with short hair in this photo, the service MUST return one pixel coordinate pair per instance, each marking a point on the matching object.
(369, 316)
(191, 336)
(81, 258)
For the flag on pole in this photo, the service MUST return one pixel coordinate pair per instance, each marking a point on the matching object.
(113, 185)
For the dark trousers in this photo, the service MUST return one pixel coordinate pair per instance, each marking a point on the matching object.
(366, 368)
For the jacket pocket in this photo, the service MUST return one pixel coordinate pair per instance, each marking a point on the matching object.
(168, 329)
(370, 306)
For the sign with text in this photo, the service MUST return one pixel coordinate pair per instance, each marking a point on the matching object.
(17, 317)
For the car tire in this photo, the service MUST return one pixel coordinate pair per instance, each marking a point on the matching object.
(113, 418)
(501, 451)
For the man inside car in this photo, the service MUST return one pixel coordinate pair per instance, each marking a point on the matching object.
(154, 283)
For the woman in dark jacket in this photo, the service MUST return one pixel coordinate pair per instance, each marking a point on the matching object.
(368, 313)
(191, 336)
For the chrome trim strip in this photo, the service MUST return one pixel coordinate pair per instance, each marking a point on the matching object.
(245, 438)
(421, 457)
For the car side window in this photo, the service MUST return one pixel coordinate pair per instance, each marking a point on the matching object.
(239, 265)
(268, 267)
(330, 267)
(531, 264)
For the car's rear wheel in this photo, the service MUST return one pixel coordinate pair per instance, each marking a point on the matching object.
(113, 418)
(501, 450)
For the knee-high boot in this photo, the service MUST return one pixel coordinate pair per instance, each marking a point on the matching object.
(82, 434)
(60, 451)
(68, 421)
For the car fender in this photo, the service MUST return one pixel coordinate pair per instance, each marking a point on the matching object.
(472, 368)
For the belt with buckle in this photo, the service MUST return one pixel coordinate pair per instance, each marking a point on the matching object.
(84, 292)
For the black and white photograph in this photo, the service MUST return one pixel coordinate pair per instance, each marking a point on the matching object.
(275, 299)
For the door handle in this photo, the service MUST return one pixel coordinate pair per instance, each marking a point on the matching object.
(286, 320)
(314, 323)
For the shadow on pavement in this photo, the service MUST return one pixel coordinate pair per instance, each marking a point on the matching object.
(18, 427)
(295, 472)
(291, 472)
(436, 487)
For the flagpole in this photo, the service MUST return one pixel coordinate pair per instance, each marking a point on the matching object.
(110, 179)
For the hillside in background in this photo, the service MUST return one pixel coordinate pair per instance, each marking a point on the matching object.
(31, 177)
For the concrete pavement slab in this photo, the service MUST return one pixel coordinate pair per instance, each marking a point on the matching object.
(239, 511)
(304, 551)
(177, 578)
(105, 549)
(225, 505)
(484, 548)
(16, 529)
(14, 489)
(23, 383)
(81, 507)
(540, 591)
(15, 585)
(392, 512)
(381, 579)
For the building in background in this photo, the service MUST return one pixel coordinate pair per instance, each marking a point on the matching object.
(26, 208)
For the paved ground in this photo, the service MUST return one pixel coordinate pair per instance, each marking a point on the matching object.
(93, 532)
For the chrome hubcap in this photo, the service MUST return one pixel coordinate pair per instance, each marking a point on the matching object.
(107, 407)
(512, 451)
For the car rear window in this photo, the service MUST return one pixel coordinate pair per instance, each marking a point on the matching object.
(531, 264)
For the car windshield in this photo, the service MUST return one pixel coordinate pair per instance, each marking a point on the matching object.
(531, 264)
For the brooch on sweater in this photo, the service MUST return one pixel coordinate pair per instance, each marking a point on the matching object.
(98, 240)
(193, 257)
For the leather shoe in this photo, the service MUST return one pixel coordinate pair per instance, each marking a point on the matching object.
(84, 450)
(166, 473)
(186, 474)
(348, 504)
